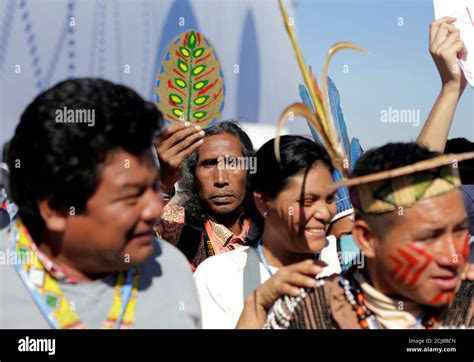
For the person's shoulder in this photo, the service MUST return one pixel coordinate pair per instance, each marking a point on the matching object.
(166, 285)
(166, 254)
(169, 225)
(468, 194)
(223, 263)
(173, 212)
(4, 238)
(167, 268)
(166, 264)
(22, 311)
(468, 191)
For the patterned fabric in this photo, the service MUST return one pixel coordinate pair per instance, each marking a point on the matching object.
(222, 239)
(41, 276)
(214, 238)
(170, 225)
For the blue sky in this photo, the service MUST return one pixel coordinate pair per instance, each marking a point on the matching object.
(398, 72)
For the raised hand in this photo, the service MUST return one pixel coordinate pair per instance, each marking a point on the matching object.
(287, 281)
(446, 47)
(173, 146)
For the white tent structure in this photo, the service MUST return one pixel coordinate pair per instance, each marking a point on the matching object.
(45, 41)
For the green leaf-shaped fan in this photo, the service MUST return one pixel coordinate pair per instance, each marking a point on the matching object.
(190, 84)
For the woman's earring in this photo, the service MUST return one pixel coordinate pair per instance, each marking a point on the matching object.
(265, 214)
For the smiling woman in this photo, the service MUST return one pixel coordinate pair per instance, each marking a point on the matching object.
(292, 204)
(292, 200)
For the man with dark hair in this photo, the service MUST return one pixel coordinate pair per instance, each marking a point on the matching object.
(210, 217)
(85, 178)
(412, 229)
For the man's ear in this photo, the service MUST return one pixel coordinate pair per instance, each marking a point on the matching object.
(55, 220)
(365, 237)
(261, 202)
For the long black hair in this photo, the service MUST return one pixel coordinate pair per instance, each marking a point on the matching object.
(298, 154)
(195, 210)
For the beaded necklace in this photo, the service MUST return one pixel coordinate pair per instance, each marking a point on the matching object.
(40, 277)
(366, 318)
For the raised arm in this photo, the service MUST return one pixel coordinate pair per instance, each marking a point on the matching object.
(446, 47)
(173, 146)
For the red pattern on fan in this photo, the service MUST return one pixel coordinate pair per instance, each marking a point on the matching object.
(190, 85)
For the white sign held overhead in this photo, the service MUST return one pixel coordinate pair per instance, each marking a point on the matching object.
(463, 11)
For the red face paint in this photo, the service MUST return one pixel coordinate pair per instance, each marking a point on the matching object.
(465, 248)
(411, 260)
(427, 261)
(443, 296)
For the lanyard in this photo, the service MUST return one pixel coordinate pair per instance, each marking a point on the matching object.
(123, 289)
(125, 295)
(262, 258)
(37, 298)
